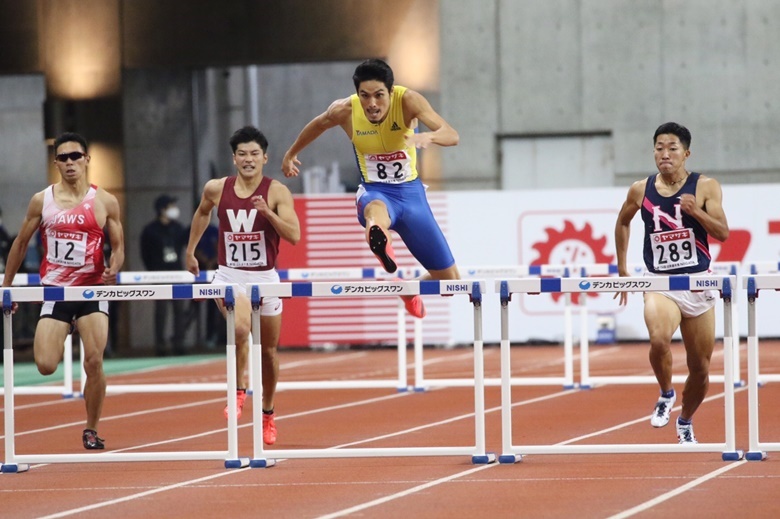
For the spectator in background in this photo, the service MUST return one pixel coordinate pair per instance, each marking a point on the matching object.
(162, 241)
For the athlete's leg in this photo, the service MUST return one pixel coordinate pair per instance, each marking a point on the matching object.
(242, 312)
(93, 330)
(270, 328)
(699, 337)
(49, 344)
(662, 317)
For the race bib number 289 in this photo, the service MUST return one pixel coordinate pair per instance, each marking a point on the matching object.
(673, 249)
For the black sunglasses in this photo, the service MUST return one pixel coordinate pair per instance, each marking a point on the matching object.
(73, 155)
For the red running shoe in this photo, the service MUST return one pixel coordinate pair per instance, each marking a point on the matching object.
(414, 305)
(379, 243)
(269, 429)
(240, 398)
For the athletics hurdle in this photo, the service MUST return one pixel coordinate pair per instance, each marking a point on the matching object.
(757, 449)
(474, 289)
(567, 380)
(20, 463)
(513, 453)
(726, 268)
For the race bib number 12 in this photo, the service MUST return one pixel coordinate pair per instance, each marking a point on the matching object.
(67, 248)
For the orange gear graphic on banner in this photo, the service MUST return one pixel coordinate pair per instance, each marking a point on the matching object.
(571, 247)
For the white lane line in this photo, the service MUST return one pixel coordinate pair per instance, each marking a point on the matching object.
(392, 497)
(677, 491)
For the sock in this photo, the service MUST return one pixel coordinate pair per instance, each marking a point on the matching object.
(682, 421)
(268, 412)
(667, 394)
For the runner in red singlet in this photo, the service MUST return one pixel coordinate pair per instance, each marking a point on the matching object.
(70, 216)
(254, 213)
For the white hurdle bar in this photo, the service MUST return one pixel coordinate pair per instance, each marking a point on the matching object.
(728, 268)
(20, 462)
(474, 289)
(756, 449)
(513, 453)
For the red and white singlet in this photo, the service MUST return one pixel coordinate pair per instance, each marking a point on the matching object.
(247, 241)
(72, 242)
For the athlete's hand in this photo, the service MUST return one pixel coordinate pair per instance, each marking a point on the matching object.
(261, 205)
(191, 264)
(623, 296)
(419, 140)
(109, 276)
(290, 166)
(688, 203)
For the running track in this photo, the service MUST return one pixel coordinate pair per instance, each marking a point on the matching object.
(541, 486)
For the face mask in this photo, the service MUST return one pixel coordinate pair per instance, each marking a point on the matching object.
(172, 213)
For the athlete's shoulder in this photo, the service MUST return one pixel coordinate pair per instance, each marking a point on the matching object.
(340, 109)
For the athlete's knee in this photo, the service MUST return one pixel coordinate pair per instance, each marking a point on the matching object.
(93, 364)
(46, 366)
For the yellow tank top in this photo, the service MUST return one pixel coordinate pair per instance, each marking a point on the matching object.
(381, 150)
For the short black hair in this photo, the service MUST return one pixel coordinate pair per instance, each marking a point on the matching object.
(248, 134)
(70, 137)
(679, 130)
(373, 70)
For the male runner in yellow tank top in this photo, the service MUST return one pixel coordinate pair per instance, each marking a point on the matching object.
(380, 120)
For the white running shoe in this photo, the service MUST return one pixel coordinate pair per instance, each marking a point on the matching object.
(685, 433)
(663, 408)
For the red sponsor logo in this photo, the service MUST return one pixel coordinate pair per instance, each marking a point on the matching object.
(672, 235)
(388, 157)
(254, 236)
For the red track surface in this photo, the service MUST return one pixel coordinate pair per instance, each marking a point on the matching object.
(583, 486)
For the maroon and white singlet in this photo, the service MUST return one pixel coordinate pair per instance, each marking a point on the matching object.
(247, 241)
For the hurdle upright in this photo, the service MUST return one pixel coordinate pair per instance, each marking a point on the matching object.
(512, 453)
(20, 462)
(756, 448)
(474, 289)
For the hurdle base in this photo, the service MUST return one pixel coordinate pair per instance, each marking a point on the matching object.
(239, 463)
(732, 455)
(585, 386)
(262, 463)
(510, 458)
(570, 386)
(740, 383)
(404, 389)
(755, 455)
(420, 389)
(484, 460)
(13, 468)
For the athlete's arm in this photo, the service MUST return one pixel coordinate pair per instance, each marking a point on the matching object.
(417, 107)
(710, 213)
(283, 216)
(18, 250)
(623, 229)
(200, 220)
(116, 236)
(339, 113)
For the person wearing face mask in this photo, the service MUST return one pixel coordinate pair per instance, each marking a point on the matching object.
(162, 241)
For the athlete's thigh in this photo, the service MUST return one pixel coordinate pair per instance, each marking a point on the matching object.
(662, 316)
(423, 236)
(93, 330)
(49, 342)
(698, 334)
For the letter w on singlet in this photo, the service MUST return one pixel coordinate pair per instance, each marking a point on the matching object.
(241, 221)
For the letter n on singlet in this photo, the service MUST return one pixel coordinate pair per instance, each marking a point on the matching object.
(674, 222)
(241, 221)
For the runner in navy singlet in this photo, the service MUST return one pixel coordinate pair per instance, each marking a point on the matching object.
(679, 210)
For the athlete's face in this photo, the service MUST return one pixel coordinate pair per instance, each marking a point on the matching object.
(69, 163)
(670, 154)
(249, 159)
(375, 100)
